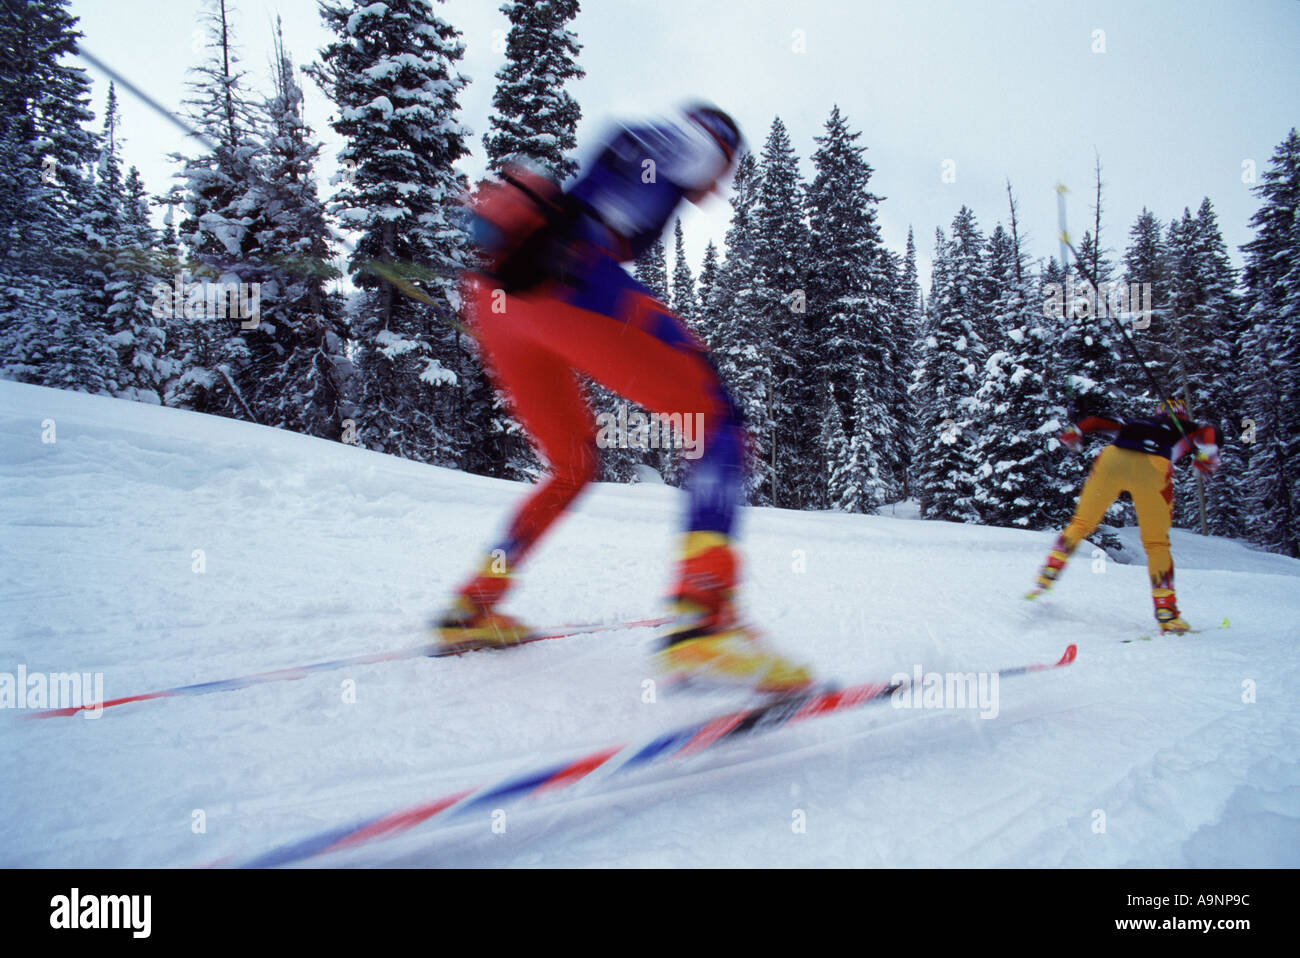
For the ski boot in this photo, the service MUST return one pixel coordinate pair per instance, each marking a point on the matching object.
(1167, 611)
(472, 622)
(1052, 568)
(707, 643)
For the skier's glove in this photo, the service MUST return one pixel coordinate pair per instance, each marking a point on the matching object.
(1206, 461)
(1071, 437)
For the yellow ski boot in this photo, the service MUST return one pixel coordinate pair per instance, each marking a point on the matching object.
(465, 626)
(471, 622)
(707, 644)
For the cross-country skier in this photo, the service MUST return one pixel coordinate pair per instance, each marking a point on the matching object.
(551, 301)
(1140, 461)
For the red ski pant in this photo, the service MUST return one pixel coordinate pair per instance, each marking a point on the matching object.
(615, 332)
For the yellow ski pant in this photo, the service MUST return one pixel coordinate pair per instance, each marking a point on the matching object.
(1150, 481)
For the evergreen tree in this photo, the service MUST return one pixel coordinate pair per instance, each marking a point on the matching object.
(907, 314)
(848, 292)
(45, 152)
(684, 302)
(1061, 492)
(536, 118)
(1147, 268)
(687, 307)
(1146, 262)
(1099, 375)
(100, 221)
(779, 308)
(854, 482)
(739, 340)
(708, 282)
(1271, 349)
(951, 358)
(138, 336)
(1222, 353)
(391, 72)
(297, 365)
(208, 344)
(1016, 453)
(100, 225)
(1202, 327)
(651, 269)
(1099, 372)
(999, 268)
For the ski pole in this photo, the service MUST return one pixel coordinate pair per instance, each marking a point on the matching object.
(1092, 279)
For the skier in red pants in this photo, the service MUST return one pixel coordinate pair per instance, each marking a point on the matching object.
(552, 301)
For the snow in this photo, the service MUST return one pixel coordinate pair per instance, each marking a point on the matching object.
(314, 550)
(394, 346)
(436, 374)
(228, 234)
(365, 13)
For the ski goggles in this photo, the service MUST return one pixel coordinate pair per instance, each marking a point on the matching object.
(721, 127)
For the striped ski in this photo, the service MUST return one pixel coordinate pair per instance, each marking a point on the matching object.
(293, 673)
(606, 763)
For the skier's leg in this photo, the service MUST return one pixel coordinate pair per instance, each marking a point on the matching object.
(545, 397)
(666, 371)
(1153, 497)
(1105, 482)
(616, 332)
(620, 335)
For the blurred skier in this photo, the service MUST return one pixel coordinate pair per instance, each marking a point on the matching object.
(1140, 461)
(552, 300)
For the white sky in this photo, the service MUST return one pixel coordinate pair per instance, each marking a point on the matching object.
(1185, 92)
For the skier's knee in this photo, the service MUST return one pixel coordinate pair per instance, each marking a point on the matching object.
(1077, 531)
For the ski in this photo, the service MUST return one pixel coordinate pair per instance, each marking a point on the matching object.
(1152, 637)
(605, 763)
(293, 673)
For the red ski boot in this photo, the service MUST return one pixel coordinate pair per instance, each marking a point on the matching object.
(1167, 611)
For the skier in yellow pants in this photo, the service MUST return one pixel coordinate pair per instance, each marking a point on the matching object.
(1140, 462)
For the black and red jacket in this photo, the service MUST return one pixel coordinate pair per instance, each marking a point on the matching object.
(1158, 436)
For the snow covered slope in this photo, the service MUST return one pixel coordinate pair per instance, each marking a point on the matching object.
(1148, 753)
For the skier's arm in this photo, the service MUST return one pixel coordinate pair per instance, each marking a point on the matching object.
(1073, 434)
(1099, 424)
(1205, 440)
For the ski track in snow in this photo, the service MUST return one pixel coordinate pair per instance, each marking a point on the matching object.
(314, 550)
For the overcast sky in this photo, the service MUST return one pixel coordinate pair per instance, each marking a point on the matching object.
(1173, 95)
